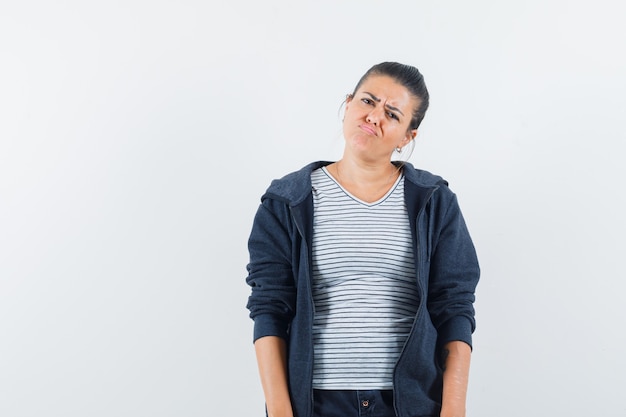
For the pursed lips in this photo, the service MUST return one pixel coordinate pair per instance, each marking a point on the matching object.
(368, 129)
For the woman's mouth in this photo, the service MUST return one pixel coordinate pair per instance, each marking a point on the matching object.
(368, 129)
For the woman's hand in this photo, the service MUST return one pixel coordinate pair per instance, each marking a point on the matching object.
(271, 356)
(456, 360)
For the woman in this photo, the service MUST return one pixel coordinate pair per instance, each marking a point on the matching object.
(363, 272)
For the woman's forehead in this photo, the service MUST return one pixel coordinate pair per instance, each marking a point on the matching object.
(387, 88)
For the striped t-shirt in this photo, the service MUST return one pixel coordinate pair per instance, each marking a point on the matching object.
(364, 285)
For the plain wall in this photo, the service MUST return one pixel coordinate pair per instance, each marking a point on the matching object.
(137, 137)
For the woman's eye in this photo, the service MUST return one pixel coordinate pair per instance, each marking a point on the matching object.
(392, 115)
(366, 100)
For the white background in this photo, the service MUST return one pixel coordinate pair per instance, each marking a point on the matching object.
(136, 138)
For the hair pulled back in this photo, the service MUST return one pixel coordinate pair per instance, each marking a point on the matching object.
(407, 76)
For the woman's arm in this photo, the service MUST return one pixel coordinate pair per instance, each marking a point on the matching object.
(272, 360)
(456, 360)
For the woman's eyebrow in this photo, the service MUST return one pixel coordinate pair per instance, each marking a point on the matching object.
(376, 99)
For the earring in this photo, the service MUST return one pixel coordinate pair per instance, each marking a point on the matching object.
(398, 149)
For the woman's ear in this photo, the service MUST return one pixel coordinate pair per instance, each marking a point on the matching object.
(410, 135)
(347, 101)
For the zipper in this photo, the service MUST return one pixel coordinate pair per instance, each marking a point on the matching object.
(310, 295)
(421, 291)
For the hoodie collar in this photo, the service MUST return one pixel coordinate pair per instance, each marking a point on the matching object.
(293, 188)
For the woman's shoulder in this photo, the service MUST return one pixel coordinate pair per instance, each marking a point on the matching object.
(422, 177)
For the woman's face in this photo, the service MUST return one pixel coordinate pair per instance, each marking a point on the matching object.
(377, 118)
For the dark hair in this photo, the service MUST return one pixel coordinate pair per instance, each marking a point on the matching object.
(407, 76)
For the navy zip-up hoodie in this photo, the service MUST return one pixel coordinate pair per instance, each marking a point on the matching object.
(447, 272)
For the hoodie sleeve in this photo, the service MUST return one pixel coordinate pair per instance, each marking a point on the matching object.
(454, 273)
(270, 275)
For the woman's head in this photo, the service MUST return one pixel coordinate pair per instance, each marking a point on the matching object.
(407, 76)
(384, 111)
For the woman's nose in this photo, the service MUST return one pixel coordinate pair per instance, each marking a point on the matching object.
(373, 116)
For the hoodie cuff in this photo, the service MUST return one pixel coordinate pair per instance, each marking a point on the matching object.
(268, 325)
(458, 328)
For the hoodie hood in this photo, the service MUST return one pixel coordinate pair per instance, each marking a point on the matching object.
(294, 187)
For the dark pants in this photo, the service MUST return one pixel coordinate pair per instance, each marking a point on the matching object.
(336, 403)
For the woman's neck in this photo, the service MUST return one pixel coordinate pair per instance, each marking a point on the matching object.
(365, 173)
(366, 181)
